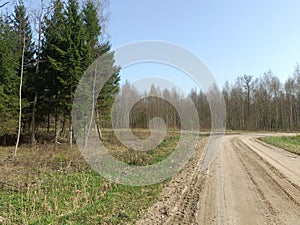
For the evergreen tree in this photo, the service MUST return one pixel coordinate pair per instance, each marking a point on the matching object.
(75, 52)
(51, 71)
(94, 50)
(110, 89)
(21, 26)
(8, 83)
(70, 44)
(64, 48)
(92, 30)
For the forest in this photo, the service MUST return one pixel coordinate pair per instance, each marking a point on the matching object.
(43, 56)
(45, 53)
(260, 103)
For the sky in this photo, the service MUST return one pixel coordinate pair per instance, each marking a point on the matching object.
(232, 37)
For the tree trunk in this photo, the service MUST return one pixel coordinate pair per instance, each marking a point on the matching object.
(92, 109)
(71, 133)
(57, 129)
(98, 125)
(48, 123)
(34, 105)
(20, 96)
(33, 139)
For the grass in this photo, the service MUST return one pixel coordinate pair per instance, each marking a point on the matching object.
(76, 198)
(48, 185)
(141, 158)
(291, 143)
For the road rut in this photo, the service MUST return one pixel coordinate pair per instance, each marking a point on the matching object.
(249, 182)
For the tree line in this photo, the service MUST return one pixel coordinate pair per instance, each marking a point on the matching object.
(43, 55)
(261, 103)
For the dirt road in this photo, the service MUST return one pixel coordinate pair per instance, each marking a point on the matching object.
(248, 183)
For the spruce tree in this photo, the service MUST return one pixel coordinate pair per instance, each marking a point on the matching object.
(8, 83)
(92, 30)
(21, 26)
(110, 89)
(74, 64)
(51, 71)
(64, 48)
(96, 49)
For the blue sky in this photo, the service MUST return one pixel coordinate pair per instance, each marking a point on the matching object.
(232, 37)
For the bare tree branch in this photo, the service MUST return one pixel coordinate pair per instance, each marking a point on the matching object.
(4, 4)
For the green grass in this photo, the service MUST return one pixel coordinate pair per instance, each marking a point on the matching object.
(291, 144)
(142, 158)
(76, 198)
(48, 185)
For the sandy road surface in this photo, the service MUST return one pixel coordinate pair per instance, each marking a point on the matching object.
(248, 183)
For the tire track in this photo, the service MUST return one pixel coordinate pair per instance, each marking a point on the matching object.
(186, 209)
(246, 184)
(178, 203)
(279, 195)
(229, 197)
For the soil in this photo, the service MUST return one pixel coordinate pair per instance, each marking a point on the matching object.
(249, 182)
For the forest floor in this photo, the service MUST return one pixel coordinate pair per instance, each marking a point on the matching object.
(51, 184)
(250, 182)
